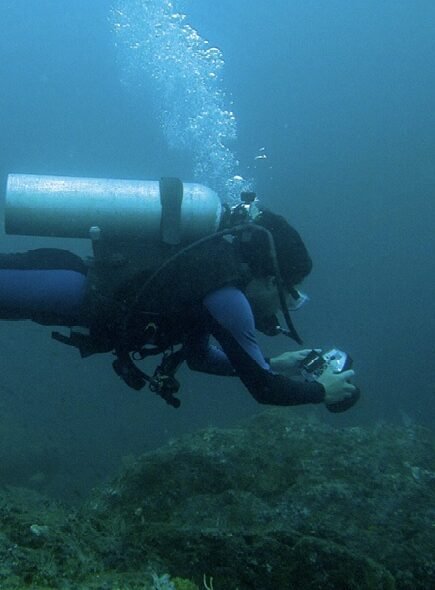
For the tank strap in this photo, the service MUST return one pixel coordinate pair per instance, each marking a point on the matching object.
(171, 198)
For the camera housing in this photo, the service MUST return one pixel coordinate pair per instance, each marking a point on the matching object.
(315, 363)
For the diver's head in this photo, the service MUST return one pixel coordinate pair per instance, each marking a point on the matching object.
(293, 259)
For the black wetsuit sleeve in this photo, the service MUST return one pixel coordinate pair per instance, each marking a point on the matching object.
(232, 324)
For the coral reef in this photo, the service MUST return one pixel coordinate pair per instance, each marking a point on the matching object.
(278, 502)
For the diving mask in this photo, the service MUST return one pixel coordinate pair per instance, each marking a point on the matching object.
(296, 299)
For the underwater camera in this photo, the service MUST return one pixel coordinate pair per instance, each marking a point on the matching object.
(313, 366)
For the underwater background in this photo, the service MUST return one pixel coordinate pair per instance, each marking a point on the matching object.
(325, 109)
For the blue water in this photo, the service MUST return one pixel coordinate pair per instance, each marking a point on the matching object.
(324, 108)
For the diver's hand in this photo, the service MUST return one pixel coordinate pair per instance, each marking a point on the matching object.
(337, 386)
(288, 363)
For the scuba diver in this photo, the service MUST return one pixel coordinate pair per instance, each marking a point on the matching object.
(168, 296)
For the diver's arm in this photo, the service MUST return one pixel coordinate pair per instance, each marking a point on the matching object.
(204, 357)
(232, 324)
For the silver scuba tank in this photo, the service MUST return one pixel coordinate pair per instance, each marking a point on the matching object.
(60, 206)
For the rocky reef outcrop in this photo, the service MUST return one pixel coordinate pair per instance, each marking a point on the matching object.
(277, 502)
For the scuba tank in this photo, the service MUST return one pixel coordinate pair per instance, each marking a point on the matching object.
(124, 210)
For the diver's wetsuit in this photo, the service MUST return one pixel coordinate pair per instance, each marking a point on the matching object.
(55, 295)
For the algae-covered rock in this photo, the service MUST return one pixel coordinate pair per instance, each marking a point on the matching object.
(239, 504)
(278, 502)
(41, 543)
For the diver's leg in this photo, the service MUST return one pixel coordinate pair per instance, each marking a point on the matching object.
(43, 285)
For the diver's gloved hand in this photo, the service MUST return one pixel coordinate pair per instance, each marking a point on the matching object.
(337, 385)
(289, 363)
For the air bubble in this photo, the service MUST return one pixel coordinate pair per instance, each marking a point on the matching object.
(156, 43)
